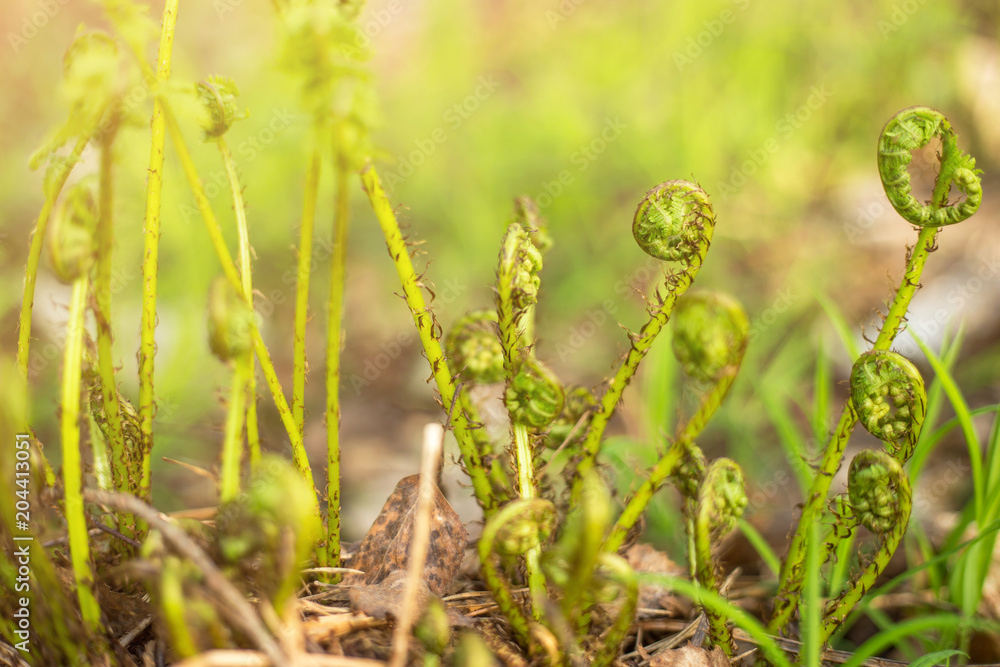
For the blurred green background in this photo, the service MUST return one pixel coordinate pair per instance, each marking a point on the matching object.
(774, 107)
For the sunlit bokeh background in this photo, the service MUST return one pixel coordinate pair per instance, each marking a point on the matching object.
(774, 107)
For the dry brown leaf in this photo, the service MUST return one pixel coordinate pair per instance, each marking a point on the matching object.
(386, 597)
(690, 656)
(386, 547)
(643, 558)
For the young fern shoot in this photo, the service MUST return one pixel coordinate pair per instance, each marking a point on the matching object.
(711, 334)
(533, 396)
(73, 251)
(908, 130)
(891, 403)
(879, 496)
(721, 501)
(674, 222)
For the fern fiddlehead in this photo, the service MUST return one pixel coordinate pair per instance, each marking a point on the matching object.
(474, 349)
(711, 334)
(534, 396)
(721, 501)
(888, 394)
(517, 528)
(674, 222)
(912, 129)
(879, 496)
(475, 354)
(906, 131)
(891, 403)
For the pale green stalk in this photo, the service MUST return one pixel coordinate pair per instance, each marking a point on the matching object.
(76, 520)
(173, 607)
(423, 318)
(31, 278)
(302, 288)
(299, 454)
(667, 464)
(232, 444)
(526, 484)
(123, 477)
(246, 275)
(151, 249)
(335, 313)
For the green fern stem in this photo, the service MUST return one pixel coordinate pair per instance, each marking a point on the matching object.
(674, 222)
(669, 462)
(232, 444)
(910, 129)
(302, 288)
(299, 455)
(151, 249)
(879, 495)
(423, 318)
(792, 579)
(721, 501)
(246, 276)
(526, 485)
(515, 529)
(124, 479)
(502, 489)
(76, 520)
(335, 314)
(792, 574)
(52, 190)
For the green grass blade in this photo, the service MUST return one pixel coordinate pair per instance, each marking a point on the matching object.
(789, 436)
(768, 647)
(844, 332)
(812, 604)
(942, 557)
(950, 349)
(964, 416)
(761, 546)
(919, 627)
(822, 390)
(936, 658)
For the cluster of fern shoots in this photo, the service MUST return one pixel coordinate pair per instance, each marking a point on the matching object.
(549, 519)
